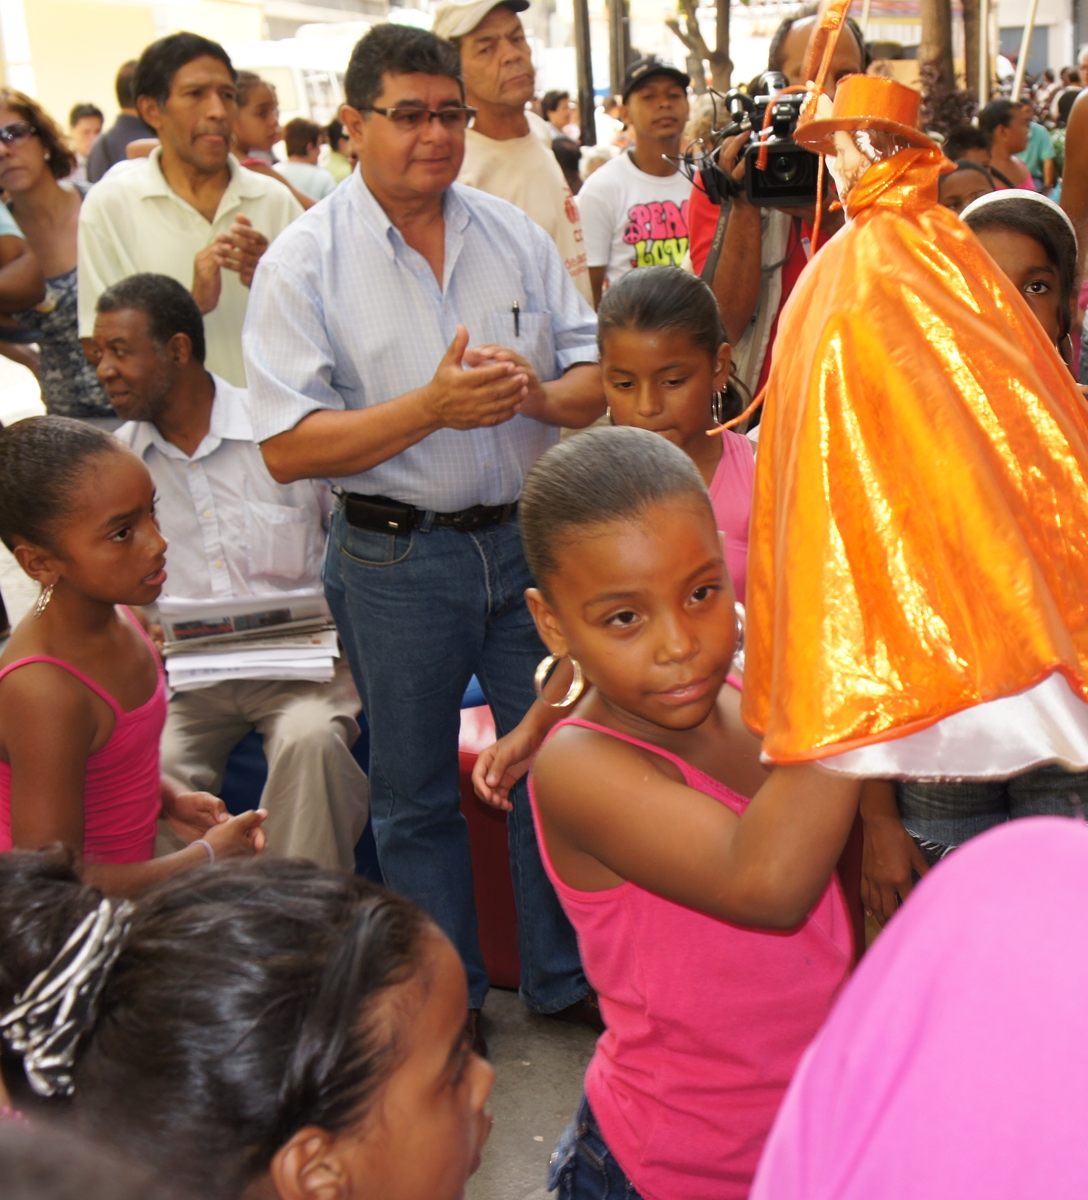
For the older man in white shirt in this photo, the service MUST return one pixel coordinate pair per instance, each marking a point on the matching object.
(191, 210)
(508, 150)
(233, 532)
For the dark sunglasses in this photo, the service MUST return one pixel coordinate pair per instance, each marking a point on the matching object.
(17, 131)
(411, 120)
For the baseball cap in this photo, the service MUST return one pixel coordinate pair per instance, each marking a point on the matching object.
(646, 68)
(455, 18)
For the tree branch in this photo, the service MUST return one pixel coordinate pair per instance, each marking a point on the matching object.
(690, 35)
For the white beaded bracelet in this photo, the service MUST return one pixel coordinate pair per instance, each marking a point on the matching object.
(207, 846)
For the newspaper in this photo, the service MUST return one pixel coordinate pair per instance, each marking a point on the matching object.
(189, 622)
(288, 635)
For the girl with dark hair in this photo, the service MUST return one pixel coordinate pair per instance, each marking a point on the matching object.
(274, 1031)
(1033, 241)
(82, 698)
(256, 129)
(965, 184)
(256, 124)
(673, 879)
(666, 368)
(665, 363)
(34, 159)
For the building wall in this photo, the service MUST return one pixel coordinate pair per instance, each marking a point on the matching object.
(76, 46)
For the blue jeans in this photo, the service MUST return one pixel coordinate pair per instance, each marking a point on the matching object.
(582, 1166)
(420, 613)
(941, 816)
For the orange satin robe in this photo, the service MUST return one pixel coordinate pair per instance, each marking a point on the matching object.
(919, 538)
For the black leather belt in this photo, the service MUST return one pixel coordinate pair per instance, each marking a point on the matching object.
(382, 515)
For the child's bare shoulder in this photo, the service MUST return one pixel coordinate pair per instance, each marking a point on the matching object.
(42, 683)
(582, 758)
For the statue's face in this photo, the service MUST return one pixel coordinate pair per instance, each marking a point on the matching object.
(848, 165)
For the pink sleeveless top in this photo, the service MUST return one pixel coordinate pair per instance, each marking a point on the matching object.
(122, 789)
(731, 498)
(706, 1021)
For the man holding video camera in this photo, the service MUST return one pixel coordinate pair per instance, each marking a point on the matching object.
(764, 246)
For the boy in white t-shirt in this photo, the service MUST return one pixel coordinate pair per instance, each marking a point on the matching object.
(635, 208)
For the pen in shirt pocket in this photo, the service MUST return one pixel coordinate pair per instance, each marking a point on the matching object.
(515, 312)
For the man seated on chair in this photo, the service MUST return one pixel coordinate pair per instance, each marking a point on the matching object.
(233, 532)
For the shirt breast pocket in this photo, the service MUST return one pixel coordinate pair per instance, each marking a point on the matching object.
(285, 544)
(528, 334)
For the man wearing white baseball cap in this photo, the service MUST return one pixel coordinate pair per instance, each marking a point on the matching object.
(508, 149)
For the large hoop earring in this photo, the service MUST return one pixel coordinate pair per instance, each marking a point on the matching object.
(740, 616)
(717, 407)
(544, 670)
(44, 596)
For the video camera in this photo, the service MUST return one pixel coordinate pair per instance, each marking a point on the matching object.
(790, 175)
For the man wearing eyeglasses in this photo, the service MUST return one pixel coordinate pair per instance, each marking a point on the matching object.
(508, 149)
(190, 211)
(420, 344)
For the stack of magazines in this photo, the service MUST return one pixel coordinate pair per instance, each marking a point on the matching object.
(284, 635)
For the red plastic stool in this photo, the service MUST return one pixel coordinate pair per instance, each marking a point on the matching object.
(493, 887)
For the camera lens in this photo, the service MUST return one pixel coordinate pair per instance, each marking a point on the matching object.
(784, 168)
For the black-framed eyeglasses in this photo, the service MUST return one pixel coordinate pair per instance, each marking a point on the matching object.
(411, 120)
(17, 131)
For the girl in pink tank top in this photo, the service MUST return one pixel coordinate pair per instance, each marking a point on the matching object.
(82, 696)
(709, 924)
(665, 366)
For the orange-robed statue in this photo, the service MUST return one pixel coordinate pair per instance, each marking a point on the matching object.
(918, 572)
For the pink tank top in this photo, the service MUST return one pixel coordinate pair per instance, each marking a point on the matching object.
(731, 498)
(706, 1021)
(122, 789)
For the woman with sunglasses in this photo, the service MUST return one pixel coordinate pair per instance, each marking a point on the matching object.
(33, 162)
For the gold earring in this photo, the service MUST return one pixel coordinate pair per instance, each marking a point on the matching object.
(544, 670)
(44, 596)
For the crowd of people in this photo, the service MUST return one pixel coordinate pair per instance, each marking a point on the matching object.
(368, 369)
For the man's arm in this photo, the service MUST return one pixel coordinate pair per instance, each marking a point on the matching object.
(21, 282)
(336, 443)
(1050, 175)
(738, 276)
(1050, 170)
(596, 209)
(1075, 174)
(596, 282)
(299, 415)
(574, 398)
(573, 401)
